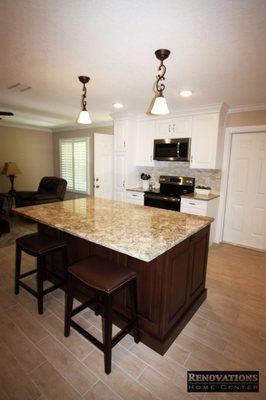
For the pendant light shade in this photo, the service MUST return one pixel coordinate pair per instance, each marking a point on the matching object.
(160, 106)
(84, 116)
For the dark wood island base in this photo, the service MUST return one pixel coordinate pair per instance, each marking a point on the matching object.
(171, 287)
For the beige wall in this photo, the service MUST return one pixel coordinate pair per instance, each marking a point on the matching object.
(248, 118)
(32, 150)
(76, 134)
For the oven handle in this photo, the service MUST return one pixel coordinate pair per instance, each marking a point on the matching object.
(155, 197)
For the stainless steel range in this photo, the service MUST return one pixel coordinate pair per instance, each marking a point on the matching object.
(169, 194)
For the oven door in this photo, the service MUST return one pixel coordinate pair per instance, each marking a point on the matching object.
(168, 203)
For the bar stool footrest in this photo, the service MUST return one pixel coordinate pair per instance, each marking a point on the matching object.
(28, 288)
(122, 333)
(83, 306)
(87, 335)
(33, 271)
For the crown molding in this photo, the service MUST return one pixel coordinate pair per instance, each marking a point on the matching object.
(247, 108)
(80, 127)
(25, 126)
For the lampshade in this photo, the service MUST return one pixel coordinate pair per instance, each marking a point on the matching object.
(84, 117)
(11, 168)
(160, 106)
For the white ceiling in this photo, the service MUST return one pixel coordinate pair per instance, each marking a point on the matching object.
(217, 50)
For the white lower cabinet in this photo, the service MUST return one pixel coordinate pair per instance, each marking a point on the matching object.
(135, 197)
(202, 207)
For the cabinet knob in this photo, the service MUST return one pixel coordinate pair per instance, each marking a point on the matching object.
(169, 128)
(97, 179)
(97, 186)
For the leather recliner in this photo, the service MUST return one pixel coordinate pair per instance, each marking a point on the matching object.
(50, 190)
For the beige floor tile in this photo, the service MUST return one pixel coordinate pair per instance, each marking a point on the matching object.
(80, 377)
(177, 354)
(118, 380)
(75, 343)
(101, 392)
(160, 386)
(29, 302)
(21, 347)
(204, 336)
(14, 382)
(52, 384)
(127, 361)
(29, 325)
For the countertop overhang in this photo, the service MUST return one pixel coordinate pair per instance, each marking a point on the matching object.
(139, 231)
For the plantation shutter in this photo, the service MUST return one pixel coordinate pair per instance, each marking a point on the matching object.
(73, 164)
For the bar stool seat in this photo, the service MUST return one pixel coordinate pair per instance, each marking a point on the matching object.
(100, 274)
(105, 279)
(39, 245)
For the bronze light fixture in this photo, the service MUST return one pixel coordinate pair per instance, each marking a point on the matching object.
(84, 116)
(160, 106)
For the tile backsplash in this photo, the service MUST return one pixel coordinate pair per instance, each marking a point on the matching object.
(206, 177)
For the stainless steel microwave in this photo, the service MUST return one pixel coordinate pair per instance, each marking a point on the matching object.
(171, 149)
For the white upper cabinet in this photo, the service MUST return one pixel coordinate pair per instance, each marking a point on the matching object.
(120, 135)
(206, 142)
(179, 127)
(145, 138)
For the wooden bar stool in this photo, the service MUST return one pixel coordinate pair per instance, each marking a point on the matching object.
(39, 246)
(105, 279)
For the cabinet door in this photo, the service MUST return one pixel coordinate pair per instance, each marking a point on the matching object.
(120, 132)
(164, 128)
(181, 127)
(204, 141)
(146, 135)
(119, 176)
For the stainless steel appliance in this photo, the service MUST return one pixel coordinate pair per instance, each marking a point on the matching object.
(171, 149)
(169, 194)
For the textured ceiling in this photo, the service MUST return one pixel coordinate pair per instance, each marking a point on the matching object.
(217, 50)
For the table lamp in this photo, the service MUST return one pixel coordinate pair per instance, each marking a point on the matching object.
(11, 170)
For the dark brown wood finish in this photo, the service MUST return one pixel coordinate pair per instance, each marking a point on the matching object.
(170, 288)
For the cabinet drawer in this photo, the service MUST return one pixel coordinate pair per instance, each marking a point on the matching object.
(191, 203)
(193, 210)
(135, 197)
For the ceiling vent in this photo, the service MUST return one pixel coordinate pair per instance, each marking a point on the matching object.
(19, 87)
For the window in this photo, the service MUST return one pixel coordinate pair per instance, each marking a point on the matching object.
(74, 163)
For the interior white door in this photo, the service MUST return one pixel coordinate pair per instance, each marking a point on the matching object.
(103, 166)
(245, 217)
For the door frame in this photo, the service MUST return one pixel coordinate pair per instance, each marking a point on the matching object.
(226, 168)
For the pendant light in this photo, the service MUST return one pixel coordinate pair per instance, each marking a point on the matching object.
(84, 116)
(160, 105)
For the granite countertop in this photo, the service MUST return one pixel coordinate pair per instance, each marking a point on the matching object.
(138, 231)
(196, 196)
(137, 189)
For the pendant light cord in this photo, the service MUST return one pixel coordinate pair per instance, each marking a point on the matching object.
(84, 102)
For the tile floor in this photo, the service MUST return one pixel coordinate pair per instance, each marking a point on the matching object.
(228, 332)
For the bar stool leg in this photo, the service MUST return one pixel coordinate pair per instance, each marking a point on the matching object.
(68, 308)
(17, 269)
(40, 268)
(107, 342)
(134, 310)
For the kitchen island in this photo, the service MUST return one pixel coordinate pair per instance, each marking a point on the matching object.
(168, 250)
